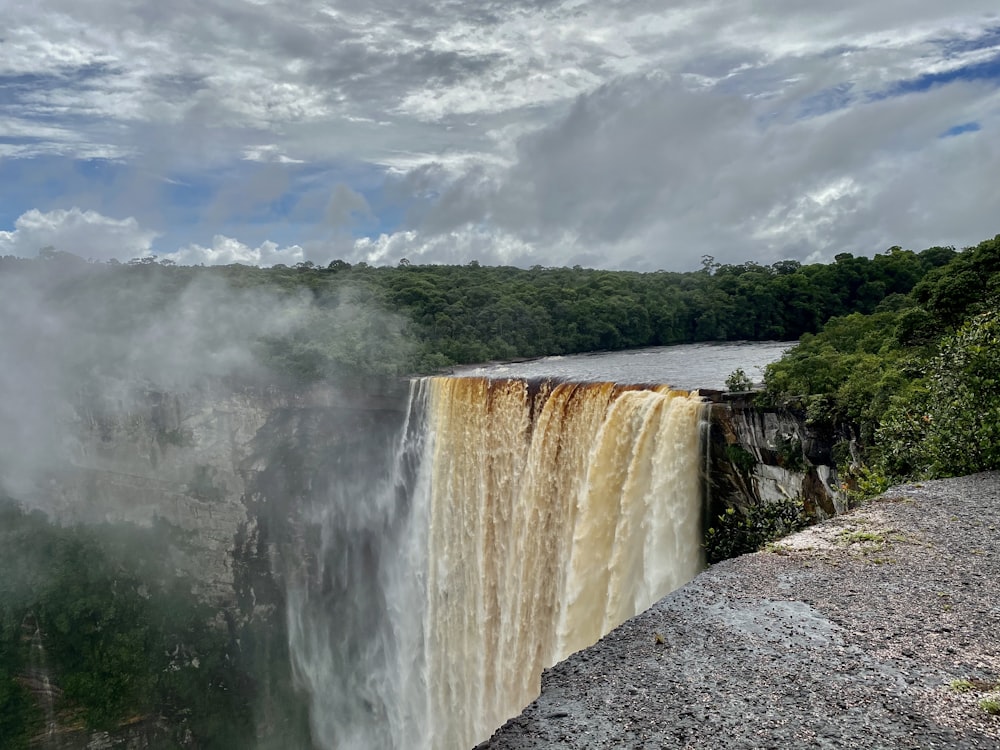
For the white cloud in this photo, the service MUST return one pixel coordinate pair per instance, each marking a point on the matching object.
(226, 250)
(85, 233)
(93, 236)
(268, 153)
(459, 246)
(525, 131)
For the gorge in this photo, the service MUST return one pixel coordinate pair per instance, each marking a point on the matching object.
(414, 557)
(227, 518)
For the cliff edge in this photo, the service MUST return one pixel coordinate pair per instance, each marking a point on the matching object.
(878, 629)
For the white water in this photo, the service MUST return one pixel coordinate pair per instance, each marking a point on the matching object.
(355, 609)
(517, 524)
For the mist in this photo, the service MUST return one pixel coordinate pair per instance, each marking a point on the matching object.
(80, 334)
(182, 431)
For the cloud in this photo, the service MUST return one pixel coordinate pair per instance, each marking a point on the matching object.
(345, 204)
(455, 247)
(225, 250)
(87, 234)
(648, 173)
(625, 134)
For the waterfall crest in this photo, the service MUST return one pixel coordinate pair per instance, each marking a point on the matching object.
(522, 521)
(558, 511)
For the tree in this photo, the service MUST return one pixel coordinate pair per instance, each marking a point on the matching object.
(738, 381)
(949, 424)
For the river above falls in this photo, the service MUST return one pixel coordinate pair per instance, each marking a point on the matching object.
(686, 366)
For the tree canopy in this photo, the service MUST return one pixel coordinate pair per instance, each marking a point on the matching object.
(412, 319)
(918, 377)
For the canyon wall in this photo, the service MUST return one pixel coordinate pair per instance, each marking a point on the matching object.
(761, 454)
(357, 545)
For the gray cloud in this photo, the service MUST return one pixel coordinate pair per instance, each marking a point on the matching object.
(345, 204)
(619, 134)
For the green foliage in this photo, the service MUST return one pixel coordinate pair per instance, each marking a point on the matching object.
(870, 481)
(949, 423)
(840, 454)
(362, 322)
(862, 537)
(20, 716)
(790, 456)
(738, 381)
(122, 633)
(917, 377)
(846, 373)
(741, 530)
(990, 705)
(741, 458)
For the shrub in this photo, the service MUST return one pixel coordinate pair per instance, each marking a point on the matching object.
(990, 706)
(742, 459)
(742, 530)
(949, 424)
(738, 381)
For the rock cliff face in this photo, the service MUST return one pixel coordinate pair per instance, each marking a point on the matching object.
(235, 470)
(762, 455)
(212, 461)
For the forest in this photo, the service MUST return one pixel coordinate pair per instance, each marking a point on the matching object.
(411, 319)
(900, 350)
(917, 379)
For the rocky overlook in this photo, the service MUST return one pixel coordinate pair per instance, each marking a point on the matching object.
(875, 629)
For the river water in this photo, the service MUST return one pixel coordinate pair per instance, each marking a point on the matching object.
(687, 367)
(508, 527)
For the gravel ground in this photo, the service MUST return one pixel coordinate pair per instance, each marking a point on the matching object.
(850, 634)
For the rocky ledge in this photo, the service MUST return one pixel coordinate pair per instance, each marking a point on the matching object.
(879, 628)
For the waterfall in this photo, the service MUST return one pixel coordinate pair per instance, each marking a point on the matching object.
(39, 680)
(355, 606)
(519, 522)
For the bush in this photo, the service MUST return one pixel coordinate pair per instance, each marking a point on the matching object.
(742, 530)
(742, 459)
(948, 424)
(738, 381)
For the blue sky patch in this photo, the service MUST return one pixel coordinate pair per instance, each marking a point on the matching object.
(966, 127)
(987, 70)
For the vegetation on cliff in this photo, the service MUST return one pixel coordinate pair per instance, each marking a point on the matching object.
(97, 628)
(918, 378)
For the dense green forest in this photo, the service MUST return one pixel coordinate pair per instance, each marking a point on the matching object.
(412, 319)
(917, 378)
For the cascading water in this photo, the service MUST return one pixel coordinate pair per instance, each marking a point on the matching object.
(355, 608)
(519, 522)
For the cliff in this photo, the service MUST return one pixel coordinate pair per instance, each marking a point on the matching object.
(759, 455)
(874, 629)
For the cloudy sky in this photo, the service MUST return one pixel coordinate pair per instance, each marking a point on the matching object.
(606, 133)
